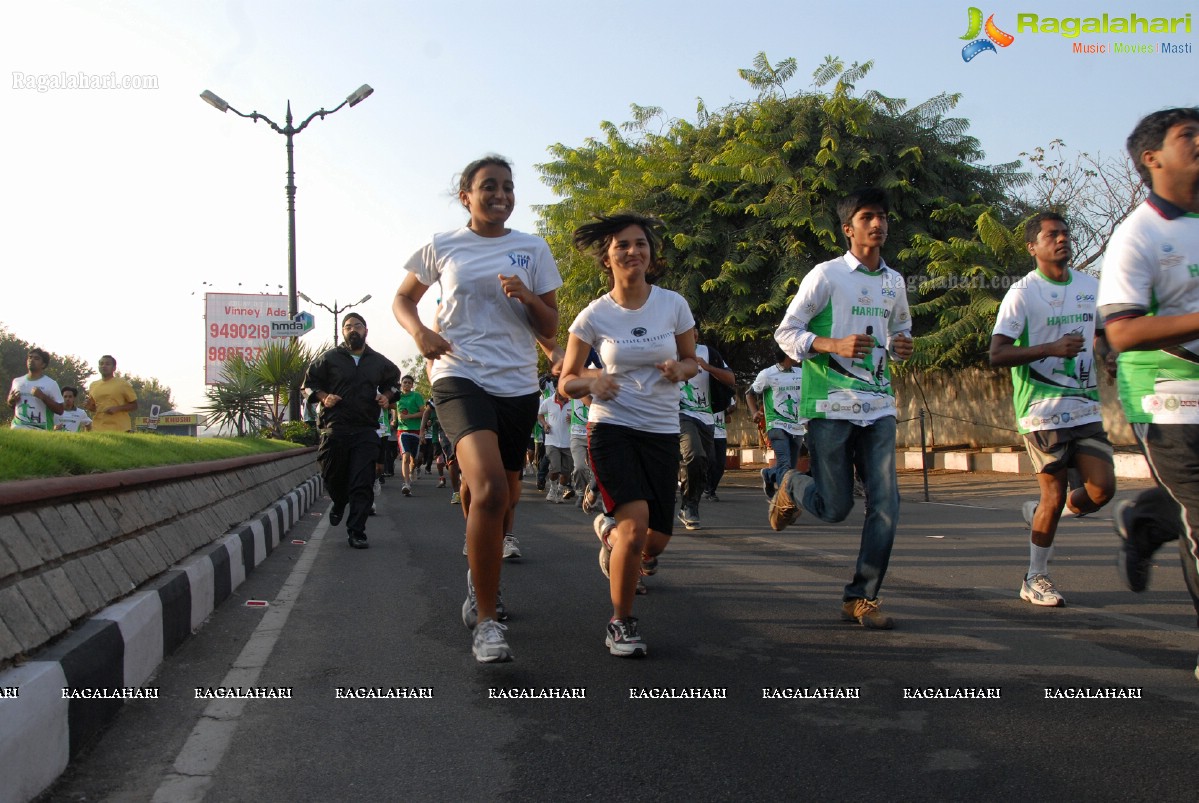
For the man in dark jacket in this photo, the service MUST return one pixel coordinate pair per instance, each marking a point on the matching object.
(351, 384)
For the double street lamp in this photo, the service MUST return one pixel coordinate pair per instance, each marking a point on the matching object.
(289, 131)
(336, 310)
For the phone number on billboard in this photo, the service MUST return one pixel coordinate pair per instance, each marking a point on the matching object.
(239, 331)
(222, 353)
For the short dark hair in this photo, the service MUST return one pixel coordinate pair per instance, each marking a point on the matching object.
(1150, 133)
(109, 357)
(42, 354)
(1032, 228)
(467, 178)
(353, 315)
(73, 390)
(407, 377)
(595, 237)
(859, 199)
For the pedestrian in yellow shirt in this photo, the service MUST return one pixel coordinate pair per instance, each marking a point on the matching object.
(110, 399)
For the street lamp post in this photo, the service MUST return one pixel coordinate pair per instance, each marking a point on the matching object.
(336, 310)
(289, 131)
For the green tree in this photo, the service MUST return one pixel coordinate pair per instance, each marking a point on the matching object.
(150, 392)
(279, 368)
(238, 401)
(748, 193)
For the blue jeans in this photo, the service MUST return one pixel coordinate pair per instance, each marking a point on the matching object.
(836, 448)
(786, 452)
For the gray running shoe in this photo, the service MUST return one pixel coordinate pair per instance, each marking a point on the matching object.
(489, 645)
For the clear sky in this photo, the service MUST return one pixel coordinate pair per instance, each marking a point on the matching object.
(121, 207)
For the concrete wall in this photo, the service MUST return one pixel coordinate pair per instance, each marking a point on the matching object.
(981, 399)
(71, 546)
(194, 531)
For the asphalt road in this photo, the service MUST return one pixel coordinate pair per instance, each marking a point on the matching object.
(736, 609)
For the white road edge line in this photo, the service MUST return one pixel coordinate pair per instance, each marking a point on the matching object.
(194, 767)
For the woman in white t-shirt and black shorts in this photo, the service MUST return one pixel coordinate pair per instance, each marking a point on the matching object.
(498, 290)
(643, 336)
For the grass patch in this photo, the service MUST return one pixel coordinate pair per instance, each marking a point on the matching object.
(27, 454)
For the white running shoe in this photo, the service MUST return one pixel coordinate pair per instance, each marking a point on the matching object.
(489, 645)
(1039, 590)
(602, 526)
(377, 488)
(623, 640)
(511, 547)
(406, 489)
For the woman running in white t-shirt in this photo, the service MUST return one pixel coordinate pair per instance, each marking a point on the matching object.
(498, 291)
(642, 334)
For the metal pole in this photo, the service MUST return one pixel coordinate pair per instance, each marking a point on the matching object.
(923, 455)
(292, 305)
(335, 310)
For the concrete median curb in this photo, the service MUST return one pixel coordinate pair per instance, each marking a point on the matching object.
(42, 726)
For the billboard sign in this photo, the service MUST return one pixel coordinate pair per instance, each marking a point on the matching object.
(237, 323)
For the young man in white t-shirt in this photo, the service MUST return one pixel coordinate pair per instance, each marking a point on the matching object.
(71, 419)
(554, 417)
(1047, 334)
(849, 318)
(1149, 300)
(697, 444)
(34, 398)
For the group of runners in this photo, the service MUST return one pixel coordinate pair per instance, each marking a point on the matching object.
(629, 351)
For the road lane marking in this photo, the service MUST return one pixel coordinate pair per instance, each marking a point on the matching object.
(193, 770)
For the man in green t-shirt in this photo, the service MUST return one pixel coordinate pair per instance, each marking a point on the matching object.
(410, 408)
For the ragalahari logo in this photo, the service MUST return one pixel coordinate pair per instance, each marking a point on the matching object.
(994, 35)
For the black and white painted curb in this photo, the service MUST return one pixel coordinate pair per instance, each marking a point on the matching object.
(42, 726)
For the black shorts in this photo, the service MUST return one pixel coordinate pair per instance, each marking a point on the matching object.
(630, 465)
(463, 407)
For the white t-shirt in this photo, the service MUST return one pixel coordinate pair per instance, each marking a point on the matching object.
(630, 343)
(719, 429)
(491, 335)
(557, 416)
(1053, 392)
(781, 392)
(695, 395)
(836, 299)
(31, 412)
(578, 418)
(1151, 266)
(72, 420)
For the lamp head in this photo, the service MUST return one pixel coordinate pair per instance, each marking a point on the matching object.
(214, 101)
(360, 94)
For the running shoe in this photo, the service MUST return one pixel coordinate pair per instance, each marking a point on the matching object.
(511, 547)
(455, 498)
(1039, 590)
(470, 608)
(489, 645)
(568, 492)
(640, 589)
(590, 501)
(649, 565)
(710, 496)
(602, 526)
(866, 612)
(551, 495)
(377, 488)
(767, 484)
(1135, 555)
(358, 540)
(689, 515)
(406, 489)
(441, 482)
(623, 640)
(783, 509)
